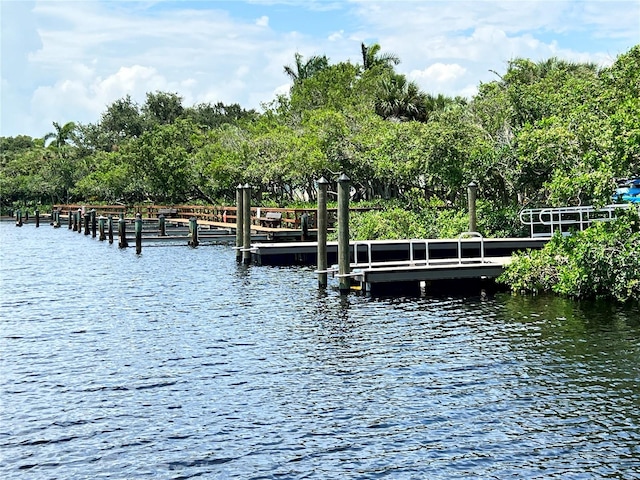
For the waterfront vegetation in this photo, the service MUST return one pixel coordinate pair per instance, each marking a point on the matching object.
(551, 133)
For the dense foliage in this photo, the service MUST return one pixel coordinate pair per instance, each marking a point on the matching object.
(601, 261)
(545, 133)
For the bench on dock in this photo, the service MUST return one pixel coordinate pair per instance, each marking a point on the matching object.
(168, 212)
(271, 219)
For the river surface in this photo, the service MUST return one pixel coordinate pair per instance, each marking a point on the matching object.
(178, 363)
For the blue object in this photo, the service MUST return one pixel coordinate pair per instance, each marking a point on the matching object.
(628, 191)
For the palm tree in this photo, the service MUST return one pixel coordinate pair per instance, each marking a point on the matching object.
(370, 57)
(400, 100)
(303, 70)
(61, 135)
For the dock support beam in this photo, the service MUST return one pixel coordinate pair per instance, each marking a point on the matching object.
(138, 233)
(110, 228)
(246, 228)
(239, 223)
(322, 232)
(344, 267)
(122, 232)
(472, 189)
(193, 232)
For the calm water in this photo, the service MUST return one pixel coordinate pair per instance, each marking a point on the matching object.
(178, 363)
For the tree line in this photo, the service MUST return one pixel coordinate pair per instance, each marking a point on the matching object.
(541, 133)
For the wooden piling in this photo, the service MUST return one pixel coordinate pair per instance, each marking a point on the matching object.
(18, 218)
(122, 232)
(101, 224)
(110, 229)
(80, 221)
(37, 218)
(69, 220)
(193, 232)
(138, 230)
(472, 189)
(322, 232)
(239, 223)
(87, 220)
(304, 227)
(246, 228)
(92, 216)
(344, 266)
(162, 225)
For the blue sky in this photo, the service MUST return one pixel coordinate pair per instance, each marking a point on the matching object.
(67, 60)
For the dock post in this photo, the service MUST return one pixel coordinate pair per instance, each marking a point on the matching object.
(239, 223)
(304, 227)
(102, 236)
(138, 233)
(322, 232)
(37, 218)
(79, 220)
(193, 232)
(162, 225)
(472, 189)
(69, 220)
(122, 232)
(87, 220)
(110, 228)
(93, 222)
(18, 218)
(246, 224)
(344, 266)
(26, 215)
(53, 217)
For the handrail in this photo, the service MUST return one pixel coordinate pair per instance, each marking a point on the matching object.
(556, 218)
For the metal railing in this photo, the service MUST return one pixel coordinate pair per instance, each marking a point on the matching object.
(545, 222)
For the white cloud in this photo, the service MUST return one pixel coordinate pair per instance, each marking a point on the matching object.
(438, 73)
(70, 59)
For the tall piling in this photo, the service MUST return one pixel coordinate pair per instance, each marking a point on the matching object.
(246, 224)
(87, 221)
(37, 218)
(193, 232)
(122, 232)
(110, 228)
(69, 220)
(239, 223)
(79, 221)
(92, 214)
(101, 224)
(344, 266)
(472, 189)
(321, 216)
(18, 218)
(138, 230)
(162, 225)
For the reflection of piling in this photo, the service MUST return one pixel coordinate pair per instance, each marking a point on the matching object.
(246, 224)
(344, 267)
(110, 228)
(322, 232)
(122, 232)
(138, 233)
(193, 232)
(239, 223)
(472, 189)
